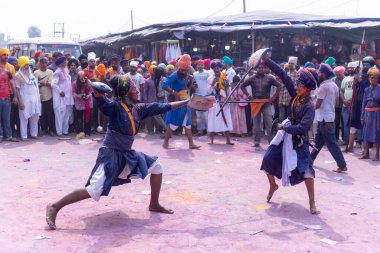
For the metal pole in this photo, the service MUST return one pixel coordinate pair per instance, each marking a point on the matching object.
(253, 37)
(244, 6)
(132, 19)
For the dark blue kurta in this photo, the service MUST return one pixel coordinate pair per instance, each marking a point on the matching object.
(303, 116)
(117, 150)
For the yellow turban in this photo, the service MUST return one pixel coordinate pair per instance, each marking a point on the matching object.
(22, 61)
(169, 67)
(151, 69)
(5, 51)
(373, 72)
(101, 70)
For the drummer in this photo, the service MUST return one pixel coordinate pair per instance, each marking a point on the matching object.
(200, 80)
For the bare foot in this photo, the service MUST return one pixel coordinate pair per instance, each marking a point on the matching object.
(365, 156)
(230, 143)
(377, 158)
(167, 146)
(313, 208)
(193, 146)
(349, 150)
(160, 209)
(51, 215)
(272, 189)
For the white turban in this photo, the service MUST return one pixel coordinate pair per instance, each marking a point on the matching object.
(353, 64)
(293, 59)
(134, 64)
(91, 56)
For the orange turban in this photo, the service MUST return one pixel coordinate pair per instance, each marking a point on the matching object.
(5, 51)
(101, 70)
(147, 64)
(184, 62)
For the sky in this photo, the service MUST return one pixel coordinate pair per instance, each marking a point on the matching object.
(95, 18)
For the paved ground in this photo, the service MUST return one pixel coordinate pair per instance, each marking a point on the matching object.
(218, 194)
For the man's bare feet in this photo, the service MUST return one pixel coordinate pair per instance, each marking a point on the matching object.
(349, 150)
(272, 189)
(377, 158)
(341, 170)
(193, 146)
(167, 146)
(364, 156)
(160, 209)
(51, 215)
(230, 143)
(313, 208)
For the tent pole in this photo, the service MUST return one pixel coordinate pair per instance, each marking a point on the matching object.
(253, 37)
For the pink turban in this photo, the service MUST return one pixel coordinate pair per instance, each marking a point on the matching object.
(207, 62)
(184, 62)
(339, 70)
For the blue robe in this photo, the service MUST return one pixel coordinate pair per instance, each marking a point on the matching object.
(177, 116)
(117, 150)
(303, 116)
(371, 100)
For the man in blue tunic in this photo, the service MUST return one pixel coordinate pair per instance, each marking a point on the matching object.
(117, 163)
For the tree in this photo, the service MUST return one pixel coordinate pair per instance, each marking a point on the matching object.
(34, 31)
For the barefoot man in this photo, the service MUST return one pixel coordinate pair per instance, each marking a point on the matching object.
(176, 85)
(294, 150)
(117, 162)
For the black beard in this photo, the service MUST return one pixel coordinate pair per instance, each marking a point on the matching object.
(84, 65)
(181, 75)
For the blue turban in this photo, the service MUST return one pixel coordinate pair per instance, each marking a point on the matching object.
(195, 58)
(327, 70)
(12, 59)
(60, 60)
(216, 63)
(308, 78)
(227, 60)
(161, 66)
(309, 64)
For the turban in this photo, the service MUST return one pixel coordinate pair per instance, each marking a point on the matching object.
(330, 61)
(207, 62)
(339, 70)
(12, 59)
(82, 57)
(5, 51)
(134, 64)
(200, 62)
(124, 62)
(174, 62)
(101, 70)
(103, 58)
(326, 69)
(309, 78)
(373, 72)
(60, 60)
(195, 58)
(216, 63)
(227, 60)
(151, 69)
(153, 63)
(37, 55)
(169, 67)
(73, 61)
(309, 64)
(353, 64)
(91, 56)
(161, 66)
(293, 60)
(184, 62)
(32, 63)
(370, 60)
(22, 61)
(147, 64)
(377, 62)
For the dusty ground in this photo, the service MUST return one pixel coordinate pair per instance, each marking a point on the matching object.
(217, 193)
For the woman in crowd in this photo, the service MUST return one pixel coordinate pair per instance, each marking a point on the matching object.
(239, 125)
(82, 91)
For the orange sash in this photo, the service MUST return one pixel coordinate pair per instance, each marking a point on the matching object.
(130, 118)
(256, 107)
(372, 109)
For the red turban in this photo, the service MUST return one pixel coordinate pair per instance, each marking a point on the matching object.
(184, 62)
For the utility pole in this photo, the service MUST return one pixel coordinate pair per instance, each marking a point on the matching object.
(59, 29)
(132, 19)
(244, 6)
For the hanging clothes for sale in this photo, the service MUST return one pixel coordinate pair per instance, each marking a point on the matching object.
(173, 50)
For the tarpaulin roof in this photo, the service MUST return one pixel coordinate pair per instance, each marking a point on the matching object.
(257, 20)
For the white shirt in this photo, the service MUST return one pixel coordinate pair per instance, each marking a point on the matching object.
(61, 83)
(29, 92)
(230, 73)
(328, 91)
(201, 79)
(138, 80)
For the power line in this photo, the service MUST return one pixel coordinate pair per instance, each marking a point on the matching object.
(303, 5)
(221, 9)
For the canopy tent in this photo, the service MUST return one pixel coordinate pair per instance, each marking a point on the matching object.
(350, 28)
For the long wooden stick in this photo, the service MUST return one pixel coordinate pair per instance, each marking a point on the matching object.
(233, 90)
